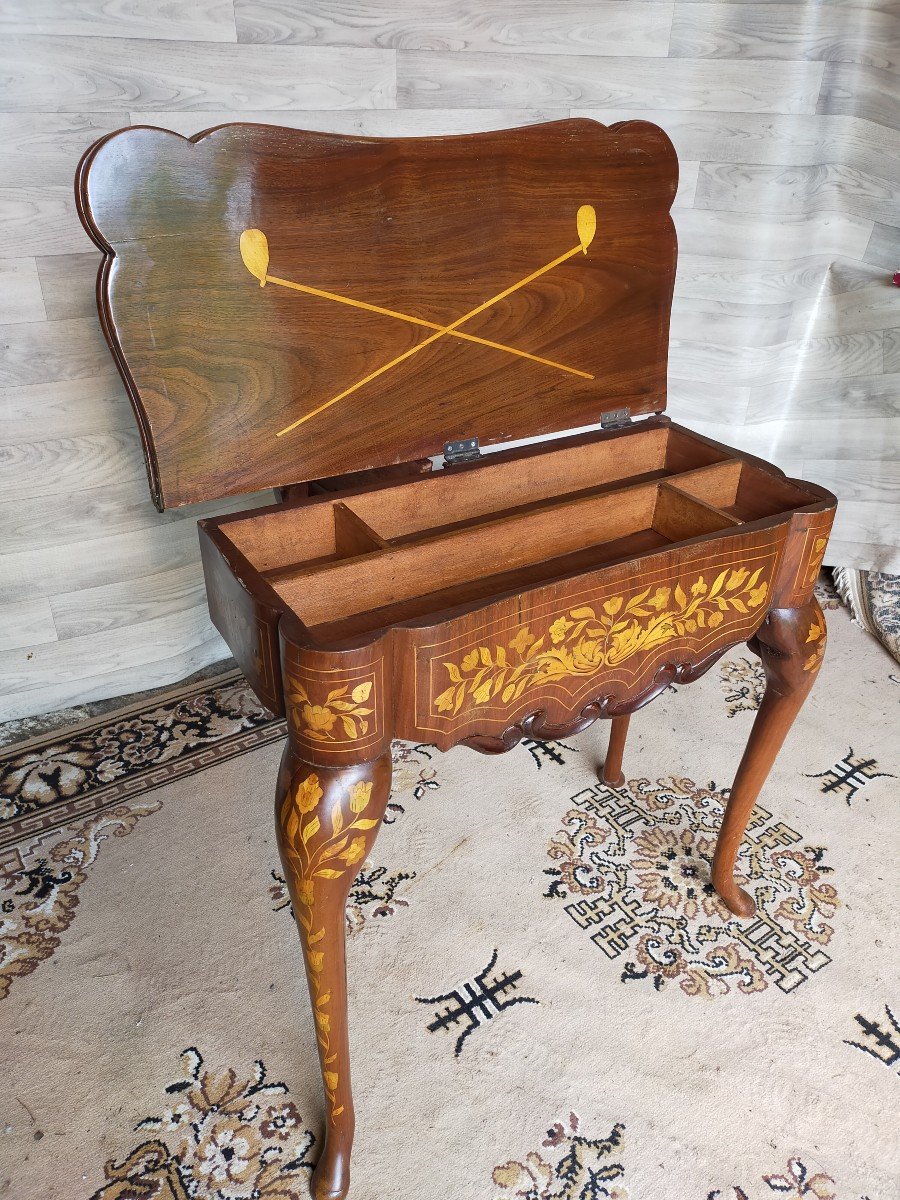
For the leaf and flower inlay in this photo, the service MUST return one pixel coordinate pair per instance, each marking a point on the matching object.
(342, 711)
(818, 636)
(814, 564)
(315, 857)
(584, 640)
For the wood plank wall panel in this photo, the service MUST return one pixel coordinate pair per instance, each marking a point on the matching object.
(786, 330)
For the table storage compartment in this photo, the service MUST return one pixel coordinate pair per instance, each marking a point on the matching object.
(370, 559)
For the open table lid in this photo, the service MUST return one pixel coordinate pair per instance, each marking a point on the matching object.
(417, 291)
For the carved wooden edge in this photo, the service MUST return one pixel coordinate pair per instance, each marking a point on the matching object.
(606, 706)
(104, 312)
(808, 533)
(247, 623)
(345, 702)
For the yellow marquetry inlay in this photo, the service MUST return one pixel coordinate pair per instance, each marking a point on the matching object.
(255, 254)
(582, 641)
(586, 222)
(323, 858)
(322, 722)
(815, 562)
(816, 634)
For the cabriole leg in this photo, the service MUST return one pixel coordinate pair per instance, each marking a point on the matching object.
(326, 820)
(790, 643)
(612, 768)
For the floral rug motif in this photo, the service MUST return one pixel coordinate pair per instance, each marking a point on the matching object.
(743, 683)
(39, 884)
(49, 781)
(635, 865)
(373, 894)
(222, 1136)
(796, 1181)
(568, 1166)
(42, 786)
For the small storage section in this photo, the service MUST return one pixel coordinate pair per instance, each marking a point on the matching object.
(400, 552)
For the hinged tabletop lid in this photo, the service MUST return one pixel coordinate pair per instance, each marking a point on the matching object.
(286, 305)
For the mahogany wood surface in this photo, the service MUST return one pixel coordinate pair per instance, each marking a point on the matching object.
(428, 228)
(612, 772)
(527, 593)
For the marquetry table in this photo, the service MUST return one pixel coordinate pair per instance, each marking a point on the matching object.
(327, 316)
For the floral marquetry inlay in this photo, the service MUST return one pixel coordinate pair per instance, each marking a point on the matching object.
(586, 639)
(815, 639)
(342, 714)
(319, 853)
(815, 562)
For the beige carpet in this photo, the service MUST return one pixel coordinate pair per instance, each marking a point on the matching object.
(548, 1003)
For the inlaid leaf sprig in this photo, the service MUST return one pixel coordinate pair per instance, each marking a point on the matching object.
(314, 857)
(584, 640)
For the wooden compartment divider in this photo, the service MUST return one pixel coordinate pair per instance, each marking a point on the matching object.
(678, 516)
(438, 559)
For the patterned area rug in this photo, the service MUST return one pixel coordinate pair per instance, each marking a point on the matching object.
(548, 1000)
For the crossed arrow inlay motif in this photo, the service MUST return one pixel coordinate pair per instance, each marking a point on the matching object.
(255, 254)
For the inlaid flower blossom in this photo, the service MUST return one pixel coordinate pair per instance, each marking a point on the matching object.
(583, 640)
(318, 718)
(342, 712)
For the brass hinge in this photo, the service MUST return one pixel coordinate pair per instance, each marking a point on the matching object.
(617, 419)
(463, 451)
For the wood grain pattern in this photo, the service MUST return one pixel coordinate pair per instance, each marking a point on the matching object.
(884, 246)
(39, 220)
(599, 28)
(785, 31)
(37, 148)
(116, 606)
(65, 671)
(752, 236)
(63, 408)
(867, 92)
(874, 395)
(26, 623)
(200, 20)
(21, 299)
(892, 350)
(67, 284)
(437, 80)
(88, 75)
(220, 355)
(826, 357)
(770, 139)
(46, 571)
(759, 281)
(57, 464)
(825, 187)
(74, 350)
(130, 63)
